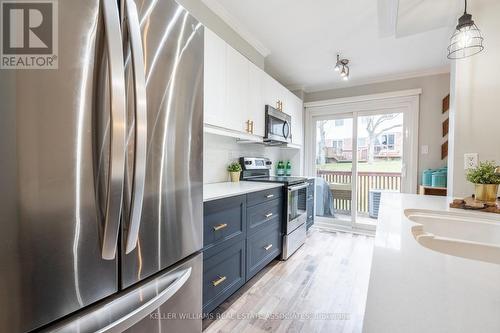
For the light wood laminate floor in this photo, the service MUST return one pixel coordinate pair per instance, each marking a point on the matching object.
(321, 288)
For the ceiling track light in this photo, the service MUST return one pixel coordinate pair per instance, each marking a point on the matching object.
(466, 40)
(337, 64)
(342, 66)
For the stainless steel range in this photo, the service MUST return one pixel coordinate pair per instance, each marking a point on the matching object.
(294, 229)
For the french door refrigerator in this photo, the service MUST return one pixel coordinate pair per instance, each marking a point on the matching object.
(101, 174)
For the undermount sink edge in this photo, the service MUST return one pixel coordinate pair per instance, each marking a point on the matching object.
(459, 234)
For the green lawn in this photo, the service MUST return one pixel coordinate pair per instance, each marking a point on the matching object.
(377, 166)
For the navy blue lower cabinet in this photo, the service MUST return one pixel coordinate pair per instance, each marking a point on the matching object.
(310, 213)
(224, 219)
(256, 198)
(262, 248)
(223, 273)
(310, 203)
(264, 214)
(242, 234)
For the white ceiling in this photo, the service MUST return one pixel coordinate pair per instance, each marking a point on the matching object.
(384, 39)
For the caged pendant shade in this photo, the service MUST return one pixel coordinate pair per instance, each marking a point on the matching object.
(466, 40)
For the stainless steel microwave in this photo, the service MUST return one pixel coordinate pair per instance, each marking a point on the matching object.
(278, 127)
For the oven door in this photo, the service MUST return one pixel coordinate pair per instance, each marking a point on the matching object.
(296, 211)
(278, 126)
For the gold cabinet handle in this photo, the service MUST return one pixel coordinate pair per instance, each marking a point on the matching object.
(270, 196)
(249, 126)
(220, 226)
(219, 281)
(269, 215)
(267, 248)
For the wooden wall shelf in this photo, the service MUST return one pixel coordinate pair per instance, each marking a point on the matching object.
(429, 190)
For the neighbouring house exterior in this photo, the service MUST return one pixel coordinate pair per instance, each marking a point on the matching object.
(338, 143)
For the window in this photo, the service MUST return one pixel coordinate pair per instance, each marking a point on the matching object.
(337, 144)
(388, 140)
(339, 122)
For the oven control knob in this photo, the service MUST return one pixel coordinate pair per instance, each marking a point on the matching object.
(248, 162)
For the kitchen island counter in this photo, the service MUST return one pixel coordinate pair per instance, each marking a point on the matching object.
(415, 289)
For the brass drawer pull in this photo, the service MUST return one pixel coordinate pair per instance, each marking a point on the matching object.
(267, 248)
(220, 226)
(270, 196)
(219, 281)
(269, 215)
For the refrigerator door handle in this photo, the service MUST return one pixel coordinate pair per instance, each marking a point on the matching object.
(139, 313)
(141, 121)
(127, 310)
(116, 66)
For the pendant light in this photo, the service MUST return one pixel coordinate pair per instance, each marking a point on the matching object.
(466, 40)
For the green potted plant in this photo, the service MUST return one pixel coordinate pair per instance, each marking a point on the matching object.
(235, 171)
(485, 177)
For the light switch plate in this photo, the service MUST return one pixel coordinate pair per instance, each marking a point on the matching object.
(471, 160)
(424, 149)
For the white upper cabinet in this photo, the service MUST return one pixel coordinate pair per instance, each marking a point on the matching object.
(295, 108)
(256, 105)
(272, 91)
(214, 97)
(236, 90)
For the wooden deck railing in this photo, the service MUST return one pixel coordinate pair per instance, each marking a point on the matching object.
(365, 182)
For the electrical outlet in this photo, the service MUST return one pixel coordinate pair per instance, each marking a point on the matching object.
(471, 160)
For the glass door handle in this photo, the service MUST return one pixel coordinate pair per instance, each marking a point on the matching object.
(403, 170)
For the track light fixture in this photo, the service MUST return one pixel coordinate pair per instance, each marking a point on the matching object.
(342, 66)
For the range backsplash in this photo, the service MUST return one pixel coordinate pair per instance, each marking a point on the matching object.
(219, 151)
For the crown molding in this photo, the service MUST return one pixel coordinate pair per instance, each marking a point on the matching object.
(364, 98)
(381, 79)
(295, 87)
(232, 22)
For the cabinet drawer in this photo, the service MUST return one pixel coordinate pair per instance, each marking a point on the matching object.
(224, 219)
(262, 248)
(256, 198)
(223, 273)
(263, 215)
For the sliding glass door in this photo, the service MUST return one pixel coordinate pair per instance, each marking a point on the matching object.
(358, 156)
(334, 169)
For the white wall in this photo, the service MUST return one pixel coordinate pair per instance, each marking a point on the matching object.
(219, 151)
(434, 89)
(475, 99)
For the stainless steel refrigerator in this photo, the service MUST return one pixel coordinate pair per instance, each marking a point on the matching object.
(101, 174)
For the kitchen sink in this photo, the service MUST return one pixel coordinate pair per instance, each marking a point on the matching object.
(459, 234)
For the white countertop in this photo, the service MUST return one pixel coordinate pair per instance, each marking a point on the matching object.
(415, 289)
(228, 189)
